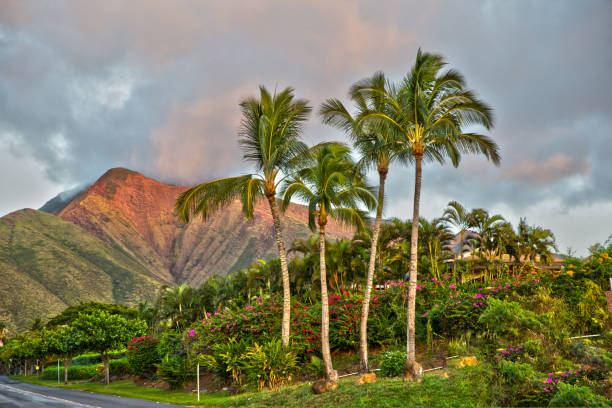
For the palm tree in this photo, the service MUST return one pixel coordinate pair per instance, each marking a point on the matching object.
(485, 226)
(172, 302)
(374, 143)
(458, 216)
(436, 238)
(269, 136)
(429, 109)
(534, 243)
(331, 188)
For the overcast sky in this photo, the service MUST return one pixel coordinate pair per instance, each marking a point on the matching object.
(154, 86)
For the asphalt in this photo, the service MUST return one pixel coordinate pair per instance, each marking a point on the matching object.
(15, 394)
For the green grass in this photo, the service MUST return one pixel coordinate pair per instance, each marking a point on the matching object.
(432, 391)
(464, 387)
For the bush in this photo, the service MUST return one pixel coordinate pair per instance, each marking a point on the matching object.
(270, 365)
(119, 367)
(509, 319)
(519, 382)
(74, 372)
(392, 364)
(576, 396)
(226, 359)
(175, 371)
(143, 356)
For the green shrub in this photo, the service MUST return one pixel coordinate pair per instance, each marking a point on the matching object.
(392, 364)
(516, 374)
(119, 367)
(576, 396)
(226, 360)
(519, 382)
(315, 366)
(75, 372)
(175, 371)
(170, 343)
(508, 319)
(143, 356)
(269, 365)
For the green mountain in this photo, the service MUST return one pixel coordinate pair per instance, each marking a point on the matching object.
(47, 264)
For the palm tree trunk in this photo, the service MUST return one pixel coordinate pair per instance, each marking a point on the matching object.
(365, 309)
(330, 373)
(410, 344)
(461, 243)
(284, 270)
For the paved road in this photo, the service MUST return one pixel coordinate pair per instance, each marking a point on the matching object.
(15, 394)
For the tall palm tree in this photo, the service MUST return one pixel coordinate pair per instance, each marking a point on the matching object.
(374, 142)
(331, 188)
(429, 109)
(458, 216)
(270, 138)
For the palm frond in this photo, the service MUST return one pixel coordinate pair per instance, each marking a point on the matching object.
(208, 198)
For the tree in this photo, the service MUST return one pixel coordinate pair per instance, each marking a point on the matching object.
(172, 301)
(429, 110)
(103, 332)
(457, 216)
(373, 140)
(534, 243)
(485, 226)
(435, 238)
(332, 188)
(71, 313)
(64, 344)
(269, 136)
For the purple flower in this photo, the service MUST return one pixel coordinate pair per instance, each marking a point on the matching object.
(192, 333)
(478, 296)
(425, 314)
(549, 380)
(452, 287)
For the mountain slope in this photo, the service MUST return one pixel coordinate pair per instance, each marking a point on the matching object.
(48, 263)
(135, 213)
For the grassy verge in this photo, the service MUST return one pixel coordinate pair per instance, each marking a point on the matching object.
(461, 390)
(463, 387)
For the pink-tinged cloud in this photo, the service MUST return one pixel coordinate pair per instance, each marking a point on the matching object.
(554, 168)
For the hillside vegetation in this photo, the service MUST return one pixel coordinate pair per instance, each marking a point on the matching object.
(48, 264)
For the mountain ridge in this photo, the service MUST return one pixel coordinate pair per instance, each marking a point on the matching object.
(118, 241)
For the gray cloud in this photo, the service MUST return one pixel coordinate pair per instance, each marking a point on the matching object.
(155, 85)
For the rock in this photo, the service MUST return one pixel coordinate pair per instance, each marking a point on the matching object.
(321, 386)
(367, 379)
(467, 361)
(412, 371)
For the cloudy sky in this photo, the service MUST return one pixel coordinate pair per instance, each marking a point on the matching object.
(154, 86)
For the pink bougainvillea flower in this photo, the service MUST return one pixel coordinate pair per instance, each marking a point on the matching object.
(192, 333)
(425, 314)
(452, 287)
